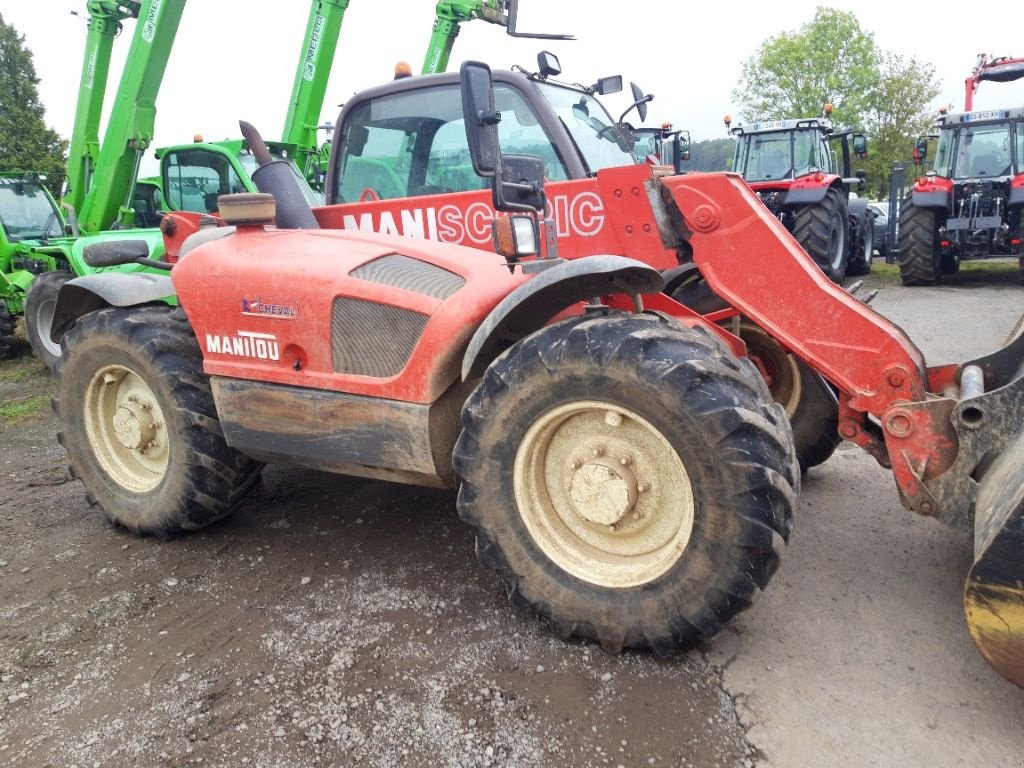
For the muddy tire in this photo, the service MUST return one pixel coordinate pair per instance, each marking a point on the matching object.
(40, 302)
(917, 249)
(822, 231)
(631, 482)
(140, 426)
(6, 329)
(810, 404)
(859, 263)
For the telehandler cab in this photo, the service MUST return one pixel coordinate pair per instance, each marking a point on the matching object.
(622, 464)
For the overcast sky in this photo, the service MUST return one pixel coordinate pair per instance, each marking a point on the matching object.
(236, 58)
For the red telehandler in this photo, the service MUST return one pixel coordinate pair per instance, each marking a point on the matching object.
(622, 463)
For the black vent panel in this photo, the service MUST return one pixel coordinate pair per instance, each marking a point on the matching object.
(371, 339)
(411, 275)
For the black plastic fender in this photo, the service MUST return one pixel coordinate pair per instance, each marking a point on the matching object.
(531, 305)
(857, 209)
(82, 295)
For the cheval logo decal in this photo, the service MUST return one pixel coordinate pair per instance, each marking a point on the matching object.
(258, 346)
(281, 310)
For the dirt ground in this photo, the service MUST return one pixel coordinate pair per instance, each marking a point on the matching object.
(339, 622)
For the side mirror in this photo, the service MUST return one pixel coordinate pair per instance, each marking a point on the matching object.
(682, 142)
(607, 85)
(638, 99)
(920, 151)
(480, 117)
(860, 146)
(861, 174)
(517, 181)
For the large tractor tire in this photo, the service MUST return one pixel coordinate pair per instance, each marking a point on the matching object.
(6, 329)
(140, 426)
(40, 301)
(859, 263)
(810, 404)
(630, 481)
(917, 247)
(822, 231)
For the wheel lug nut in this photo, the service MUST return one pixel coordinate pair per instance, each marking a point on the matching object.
(643, 487)
(626, 460)
(133, 398)
(599, 451)
(577, 463)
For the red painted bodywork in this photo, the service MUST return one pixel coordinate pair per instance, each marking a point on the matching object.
(811, 181)
(213, 280)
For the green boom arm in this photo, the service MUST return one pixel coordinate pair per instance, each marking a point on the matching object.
(312, 73)
(130, 127)
(451, 13)
(104, 24)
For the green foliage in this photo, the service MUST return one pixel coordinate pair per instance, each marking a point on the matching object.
(830, 59)
(26, 143)
(897, 115)
(710, 155)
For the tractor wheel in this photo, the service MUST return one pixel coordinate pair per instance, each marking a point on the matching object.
(6, 329)
(40, 301)
(859, 263)
(916, 248)
(810, 403)
(821, 229)
(630, 481)
(140, 426)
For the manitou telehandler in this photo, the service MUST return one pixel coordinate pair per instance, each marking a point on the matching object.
(971, 204)
(792, 167)
(623, 466)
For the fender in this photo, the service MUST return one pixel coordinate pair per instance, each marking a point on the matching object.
(808, 192)
(857, 209)
(676, 276)
(82, 295)
(531, 305)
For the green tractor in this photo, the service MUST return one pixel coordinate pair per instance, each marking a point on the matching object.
(33, 240)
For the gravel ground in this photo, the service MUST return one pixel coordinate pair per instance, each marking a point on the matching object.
(334, 621)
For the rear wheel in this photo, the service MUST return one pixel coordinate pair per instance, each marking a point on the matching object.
(629, 481)
(811, 406)
(821, 229)
(40, 302)
(917, 246)
(140, 426)
(6, 329)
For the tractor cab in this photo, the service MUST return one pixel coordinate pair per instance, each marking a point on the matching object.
(408, 138)
(663, 146)
(193, 176)
(27, 211)
(776, 150)
(980, 145)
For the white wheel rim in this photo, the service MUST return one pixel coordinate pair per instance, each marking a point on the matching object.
(126, 428)
(603, 494)
(44, 322)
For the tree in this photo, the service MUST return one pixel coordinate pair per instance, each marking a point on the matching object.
(26, 143)
(897, 115)
(830, 59)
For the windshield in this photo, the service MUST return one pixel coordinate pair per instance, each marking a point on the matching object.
(779, 155)
(591, 127)
(982, 152)
(648, 143)
(27, 212)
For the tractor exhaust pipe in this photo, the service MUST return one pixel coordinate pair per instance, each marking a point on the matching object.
(277, 178)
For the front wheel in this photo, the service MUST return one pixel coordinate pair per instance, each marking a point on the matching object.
(140, 426)
(863, 249)
(821, 229)
(630, 481)
(40, 301)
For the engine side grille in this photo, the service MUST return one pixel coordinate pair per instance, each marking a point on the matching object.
(371, 339)
(412, 275)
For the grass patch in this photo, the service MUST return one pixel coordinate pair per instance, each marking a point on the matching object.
(20, 369)
(22, 410)
(996, 267)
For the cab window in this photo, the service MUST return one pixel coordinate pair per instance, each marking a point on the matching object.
(195, 178)
(414, 143)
